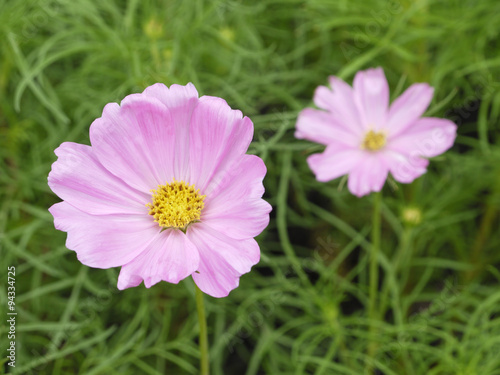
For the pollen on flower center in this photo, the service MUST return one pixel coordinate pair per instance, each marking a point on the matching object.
(373, 141)
(176, 204)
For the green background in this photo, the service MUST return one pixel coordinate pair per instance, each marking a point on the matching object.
(302, 309)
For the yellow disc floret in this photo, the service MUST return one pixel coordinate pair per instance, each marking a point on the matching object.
(373, 141)
(176, 205)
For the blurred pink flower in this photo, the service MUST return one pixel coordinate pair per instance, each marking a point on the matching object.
(366, 138)
(165, 191)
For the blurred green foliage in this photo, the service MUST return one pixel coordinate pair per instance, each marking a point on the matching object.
(302, 310)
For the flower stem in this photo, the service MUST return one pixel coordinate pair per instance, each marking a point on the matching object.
(373, 277)
(377, 201)
(204, 368)
(484, 232)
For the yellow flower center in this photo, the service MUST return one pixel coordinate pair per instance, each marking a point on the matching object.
(373, 141)
(176, 205)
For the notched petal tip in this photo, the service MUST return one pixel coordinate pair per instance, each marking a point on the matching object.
(137, 102)
(162, 91)
(323, 97)
(223, 107)
(371, 81)
(177, 98)
(337, 84)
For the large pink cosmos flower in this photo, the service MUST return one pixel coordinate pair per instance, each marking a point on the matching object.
(165, 191)
(366, 138)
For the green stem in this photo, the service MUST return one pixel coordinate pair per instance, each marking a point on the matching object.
(400, 265)
(484, 232)
(204, 367)
(377, 202)
(373, 276)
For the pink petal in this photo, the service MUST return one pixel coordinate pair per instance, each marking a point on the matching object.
(103, 241)
(323, 127)
(242, 220)
(170, 257)
(242, 180)
(219, 136)
(324, 98)
(405, 168)
(233, 204)
(371, 93)
(407, 108)
(137, 141)
(369, 175)
(79, 178)
(339, 101)
(222, 259)
(428, 136)
(181, 101)
(337, 160)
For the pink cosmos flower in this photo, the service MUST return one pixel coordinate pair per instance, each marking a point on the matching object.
(366, 138)
(165, 191)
